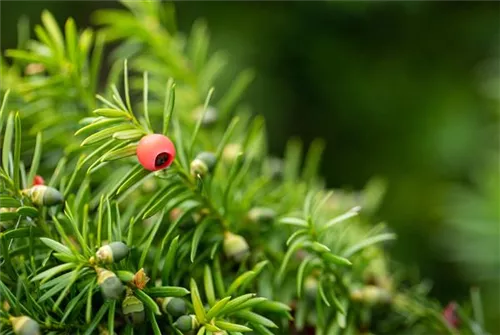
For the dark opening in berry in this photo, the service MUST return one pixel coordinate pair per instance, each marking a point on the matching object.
(161, 159)
(155, 152)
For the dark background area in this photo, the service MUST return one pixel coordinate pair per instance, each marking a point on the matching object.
(403, 90)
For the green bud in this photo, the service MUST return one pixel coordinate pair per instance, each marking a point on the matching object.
(261, 214)
(198, 167)
(231, 152)
(186, 323)
(203, 164)
(133, 309)
(210, 117)
(111, 286)
(42, 195)
(235, 247)
(24, 325)
(371, 295)
(311, 287)
(113, 252)
(174, 306)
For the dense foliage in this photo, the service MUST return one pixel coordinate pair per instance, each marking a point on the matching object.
(225, 240)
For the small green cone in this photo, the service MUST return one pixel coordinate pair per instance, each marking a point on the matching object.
(42, 195)
(186, 323)
(203, 164)
(235, 247)
(133, 309)
(113, 252)
(111, 286)
(24, 325)
(174, 306)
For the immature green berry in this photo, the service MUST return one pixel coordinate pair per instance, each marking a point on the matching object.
(133, 309)
(111, 286)
(24, 325)
(42, 195)
(186, 323)
(113, 252)
(235, 247)
(174, 306)
(203, 164)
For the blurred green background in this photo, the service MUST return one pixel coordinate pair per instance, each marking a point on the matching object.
(408, 91)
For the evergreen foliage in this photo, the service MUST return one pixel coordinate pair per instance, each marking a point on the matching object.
(224, 241)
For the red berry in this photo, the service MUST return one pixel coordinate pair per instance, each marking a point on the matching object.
(155, 152)
(450, 314)
(38, 180)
